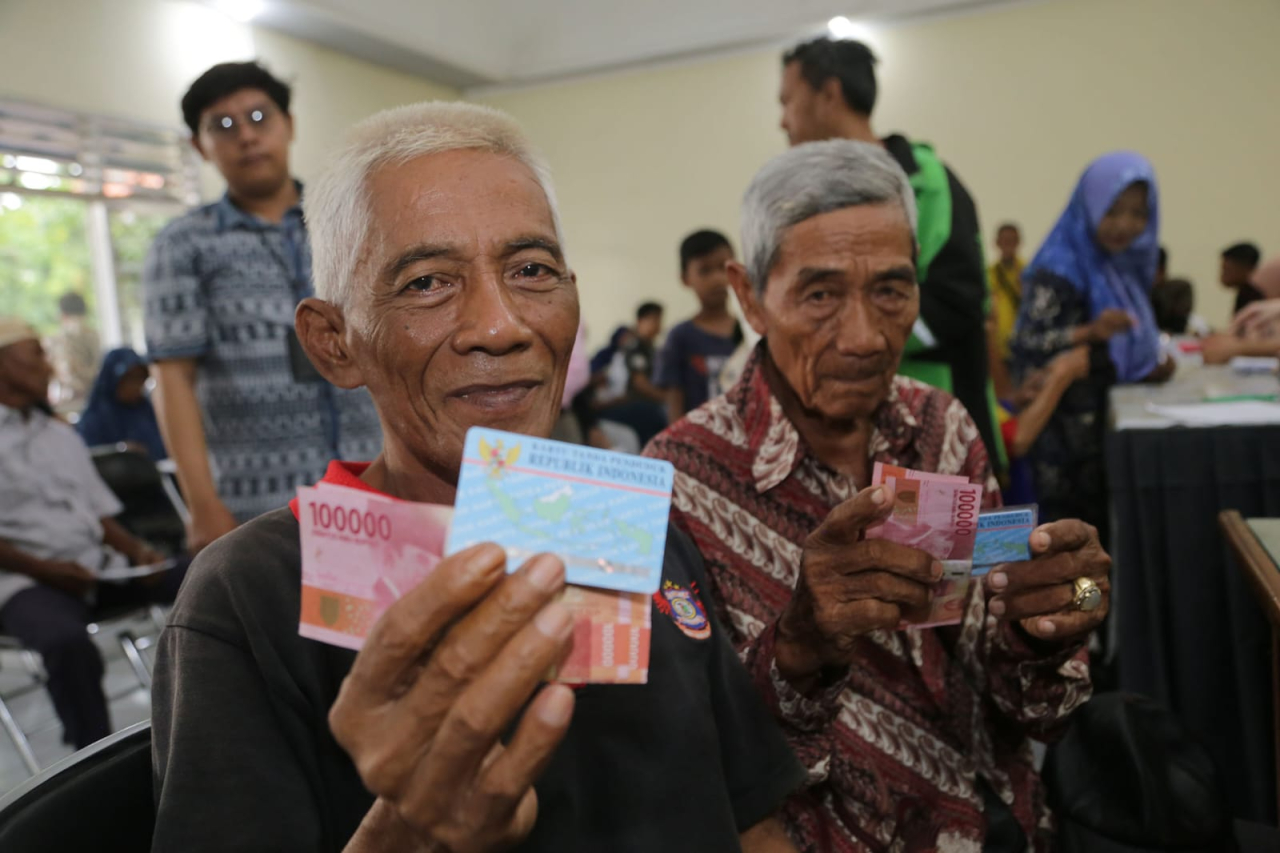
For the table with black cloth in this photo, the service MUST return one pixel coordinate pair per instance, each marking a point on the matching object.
(1188, 631)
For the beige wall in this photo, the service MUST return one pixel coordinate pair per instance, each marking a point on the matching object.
(1016, 99)
(135, 58)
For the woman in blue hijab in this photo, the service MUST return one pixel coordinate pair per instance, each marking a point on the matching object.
(1090, 286)
(118, 409)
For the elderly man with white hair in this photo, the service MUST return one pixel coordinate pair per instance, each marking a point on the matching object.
(442, 287)
(915, 738)
(57, 533)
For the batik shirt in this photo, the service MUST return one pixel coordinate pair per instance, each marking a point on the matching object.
(221, 287)
(893, 747)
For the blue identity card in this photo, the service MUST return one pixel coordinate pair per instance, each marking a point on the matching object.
(603, 513)
(1004, 536)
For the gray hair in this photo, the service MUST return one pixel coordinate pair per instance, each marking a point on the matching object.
(812, 179)
(337, 206)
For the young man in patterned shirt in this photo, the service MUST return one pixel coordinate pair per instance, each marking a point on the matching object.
(221, 284)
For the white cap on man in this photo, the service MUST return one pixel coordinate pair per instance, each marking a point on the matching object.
(13, 330)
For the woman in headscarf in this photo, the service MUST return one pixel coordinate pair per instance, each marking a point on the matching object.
(1090, 283)
(118, 409)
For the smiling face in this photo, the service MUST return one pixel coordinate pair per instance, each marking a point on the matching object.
(838, 308)
(1125, 220)
(463, 311)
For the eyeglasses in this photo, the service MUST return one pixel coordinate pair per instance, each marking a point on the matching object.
(228, 126)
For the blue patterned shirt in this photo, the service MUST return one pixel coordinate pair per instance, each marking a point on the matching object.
(220, 286)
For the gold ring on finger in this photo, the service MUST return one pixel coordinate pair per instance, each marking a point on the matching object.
(1088, 595)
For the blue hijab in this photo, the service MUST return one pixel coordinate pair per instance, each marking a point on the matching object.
(106, 420)
(1122, 280)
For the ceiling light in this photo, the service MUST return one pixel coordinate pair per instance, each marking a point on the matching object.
(841, 27)
(240, 10)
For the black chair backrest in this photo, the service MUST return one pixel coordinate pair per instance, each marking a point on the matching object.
(148, 511)
(98, 799)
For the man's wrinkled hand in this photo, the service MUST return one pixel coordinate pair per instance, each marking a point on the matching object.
(1040, 593)
(441, 677)
(849, 586)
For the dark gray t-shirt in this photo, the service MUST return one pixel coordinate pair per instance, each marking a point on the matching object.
(244, 759)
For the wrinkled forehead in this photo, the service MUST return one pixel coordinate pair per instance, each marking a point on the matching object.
(859, 230)
(455, 194)
(462, 204)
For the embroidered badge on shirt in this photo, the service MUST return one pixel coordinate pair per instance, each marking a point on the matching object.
(685, 609)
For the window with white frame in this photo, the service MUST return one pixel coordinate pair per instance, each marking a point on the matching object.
(81, 198)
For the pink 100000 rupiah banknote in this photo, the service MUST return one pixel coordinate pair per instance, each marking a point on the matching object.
(362, 551)
(937, 515)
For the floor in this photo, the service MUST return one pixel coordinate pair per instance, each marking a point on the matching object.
(129, 702)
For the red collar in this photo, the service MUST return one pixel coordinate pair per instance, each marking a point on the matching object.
(345, 474)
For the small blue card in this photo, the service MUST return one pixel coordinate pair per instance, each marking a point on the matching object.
(603, 513)
(1003, 537)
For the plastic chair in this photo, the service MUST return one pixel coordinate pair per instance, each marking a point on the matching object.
(100, 798)
(153, 509)
(131, 644)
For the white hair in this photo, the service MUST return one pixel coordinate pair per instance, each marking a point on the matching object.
(812, 179)
(336, 205)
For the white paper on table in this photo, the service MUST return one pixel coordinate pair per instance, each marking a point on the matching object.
(1240, 413)
(120, 574)
(1254, 364)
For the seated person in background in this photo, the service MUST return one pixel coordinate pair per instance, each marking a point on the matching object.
(436, 736)
(1174, 302)
(578, 422)
(118, 410)
(1239, 263)
(56, 532)
(688, 368)
(634, 400)
(914, 738)
(1255, 331)
(613, 382)
(1035, 400)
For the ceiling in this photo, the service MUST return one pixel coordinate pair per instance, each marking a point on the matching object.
(484, 43)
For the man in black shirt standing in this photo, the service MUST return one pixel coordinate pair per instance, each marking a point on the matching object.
(828, 91)
(1239, 263)
(439, 734)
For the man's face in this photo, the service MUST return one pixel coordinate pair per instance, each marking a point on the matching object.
(1234, 274)
(705, 275)
(838, 308)
(464, 312)
(649, 327)
(25, 372)
(252, 153)
(1008, 241)
(802, 108)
